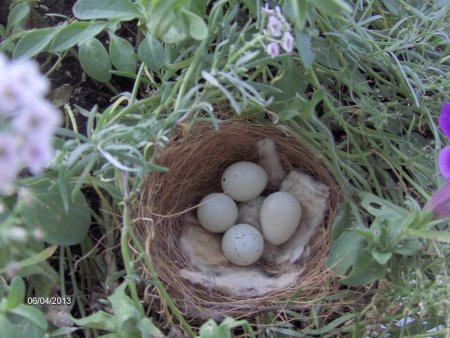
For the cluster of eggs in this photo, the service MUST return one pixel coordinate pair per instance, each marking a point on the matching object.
(243, 244)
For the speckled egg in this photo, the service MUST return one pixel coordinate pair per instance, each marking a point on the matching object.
(242, 244)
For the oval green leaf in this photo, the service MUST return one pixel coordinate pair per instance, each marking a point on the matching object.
(34, 42)
(152, 53)
(95, 60)
(17, 14)
(124, 10)
(197, 26)
(47, 212)
(121, 52)
(68, 36)
(16, 292)
(94, 29)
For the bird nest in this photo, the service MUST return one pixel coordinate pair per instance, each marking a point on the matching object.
(169, 201)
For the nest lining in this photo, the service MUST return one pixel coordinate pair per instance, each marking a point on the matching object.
(196, 166)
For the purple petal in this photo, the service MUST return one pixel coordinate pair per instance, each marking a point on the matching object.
(444, 119)
(274, 26)
(439, 203)
(38, 153)
(273, 49)
(9, 161)
(444, 162)
(287, 42)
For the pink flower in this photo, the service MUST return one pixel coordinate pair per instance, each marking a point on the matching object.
(287, 42)
(273, 49)
(9, 161)
(275, 26)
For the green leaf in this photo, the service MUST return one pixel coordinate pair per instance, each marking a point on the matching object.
(34, 42)
(64, 331)
(124, 10)
(93, 30)
(430, 234)
(68, 36)
(16, 293)
(333, 324)
(121, 52)
(304, 48)
(291, 82)
(209, 329)
(408, 246)
(17, 14)
(299, 10)
(324, 54)
(365, 270)
(177, 32)
(380, 207)
(197, 26)
(211, 79)
(147, 328)
(381, 257)
(332, 7)
(164, 14)
(342, 221)
(95, 60)
(125, 313)
(152, 53)
(7, 329)
(32, 314)
(344, 251)
(198, 7)
(47, 212)
(99, 320)
(3, 32)
(32, 261)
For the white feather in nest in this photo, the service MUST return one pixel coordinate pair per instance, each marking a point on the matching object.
(270, 161)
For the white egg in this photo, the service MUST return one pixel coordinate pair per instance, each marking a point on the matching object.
(219, 214)
(243, 181)
(280, 216)
(242, 244)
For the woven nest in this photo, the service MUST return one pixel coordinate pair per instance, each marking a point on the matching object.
(196, 166)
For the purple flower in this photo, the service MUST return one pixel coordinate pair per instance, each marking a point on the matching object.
(275, 26)
(38, 120)
(37, 154)
(440, 201)
(273, 49)
(444, 155)
(9, 161)
(281, 16)
(20, 82)
(266, 9)
(287, 42)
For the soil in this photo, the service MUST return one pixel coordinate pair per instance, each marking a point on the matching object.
(68, 81)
